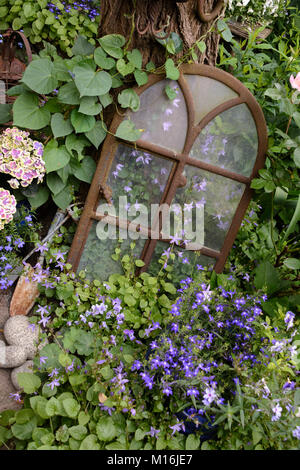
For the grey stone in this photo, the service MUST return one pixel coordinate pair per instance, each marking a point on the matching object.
(12, 356)
(6, 387)
(18, 332)
(4, 310)
(26, 367)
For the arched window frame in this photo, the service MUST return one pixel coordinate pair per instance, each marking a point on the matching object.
(175, 181)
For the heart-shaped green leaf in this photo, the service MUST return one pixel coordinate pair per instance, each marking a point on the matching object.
(69, 94)
(55, 183)
(89, 105)
(128, 131)
(102, 60)
(28, 114)
(40, 76)
(172, 71)
(90, 82)
(97, 134)
(82, 122)
(86, 170)
(125, 68)
(112, 44)
(129, 99)
(55, 157)
(60, 126)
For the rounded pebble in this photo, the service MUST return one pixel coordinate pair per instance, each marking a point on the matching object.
(12, 356)
(18, 332)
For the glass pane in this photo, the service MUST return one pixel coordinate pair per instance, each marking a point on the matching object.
(96, 257)
(218, 197)
(208, 94)
(137, 179)
(229, 141)
(164, 120)
(185, 263)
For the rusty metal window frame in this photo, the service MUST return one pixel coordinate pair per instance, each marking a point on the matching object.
(180, 160)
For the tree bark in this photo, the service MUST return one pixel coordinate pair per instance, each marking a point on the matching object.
(132, 17)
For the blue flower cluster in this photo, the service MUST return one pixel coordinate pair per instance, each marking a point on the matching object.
(210, 335)
(87, 7)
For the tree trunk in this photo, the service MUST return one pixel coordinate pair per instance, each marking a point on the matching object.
(132, 17)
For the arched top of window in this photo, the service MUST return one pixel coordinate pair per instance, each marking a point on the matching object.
(199, 150)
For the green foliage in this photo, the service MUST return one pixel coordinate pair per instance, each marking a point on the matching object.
(62, 100)
(58, 21)
(271, 239)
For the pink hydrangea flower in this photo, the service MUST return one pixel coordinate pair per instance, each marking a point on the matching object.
(295, 82)
(21, 157)
(8, 206)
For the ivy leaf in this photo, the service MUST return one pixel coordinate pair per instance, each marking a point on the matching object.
(68, 94)
(86, 170)
(82, 122)
(55, 157)
(60, 126)
(91, 83)
(102, 60)
(89, 106)
(82, 46)
(172, 71)
(112, 44)
(128, 131)
(97, 134)
(129, 99)
(28, 114)
(39, 76)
